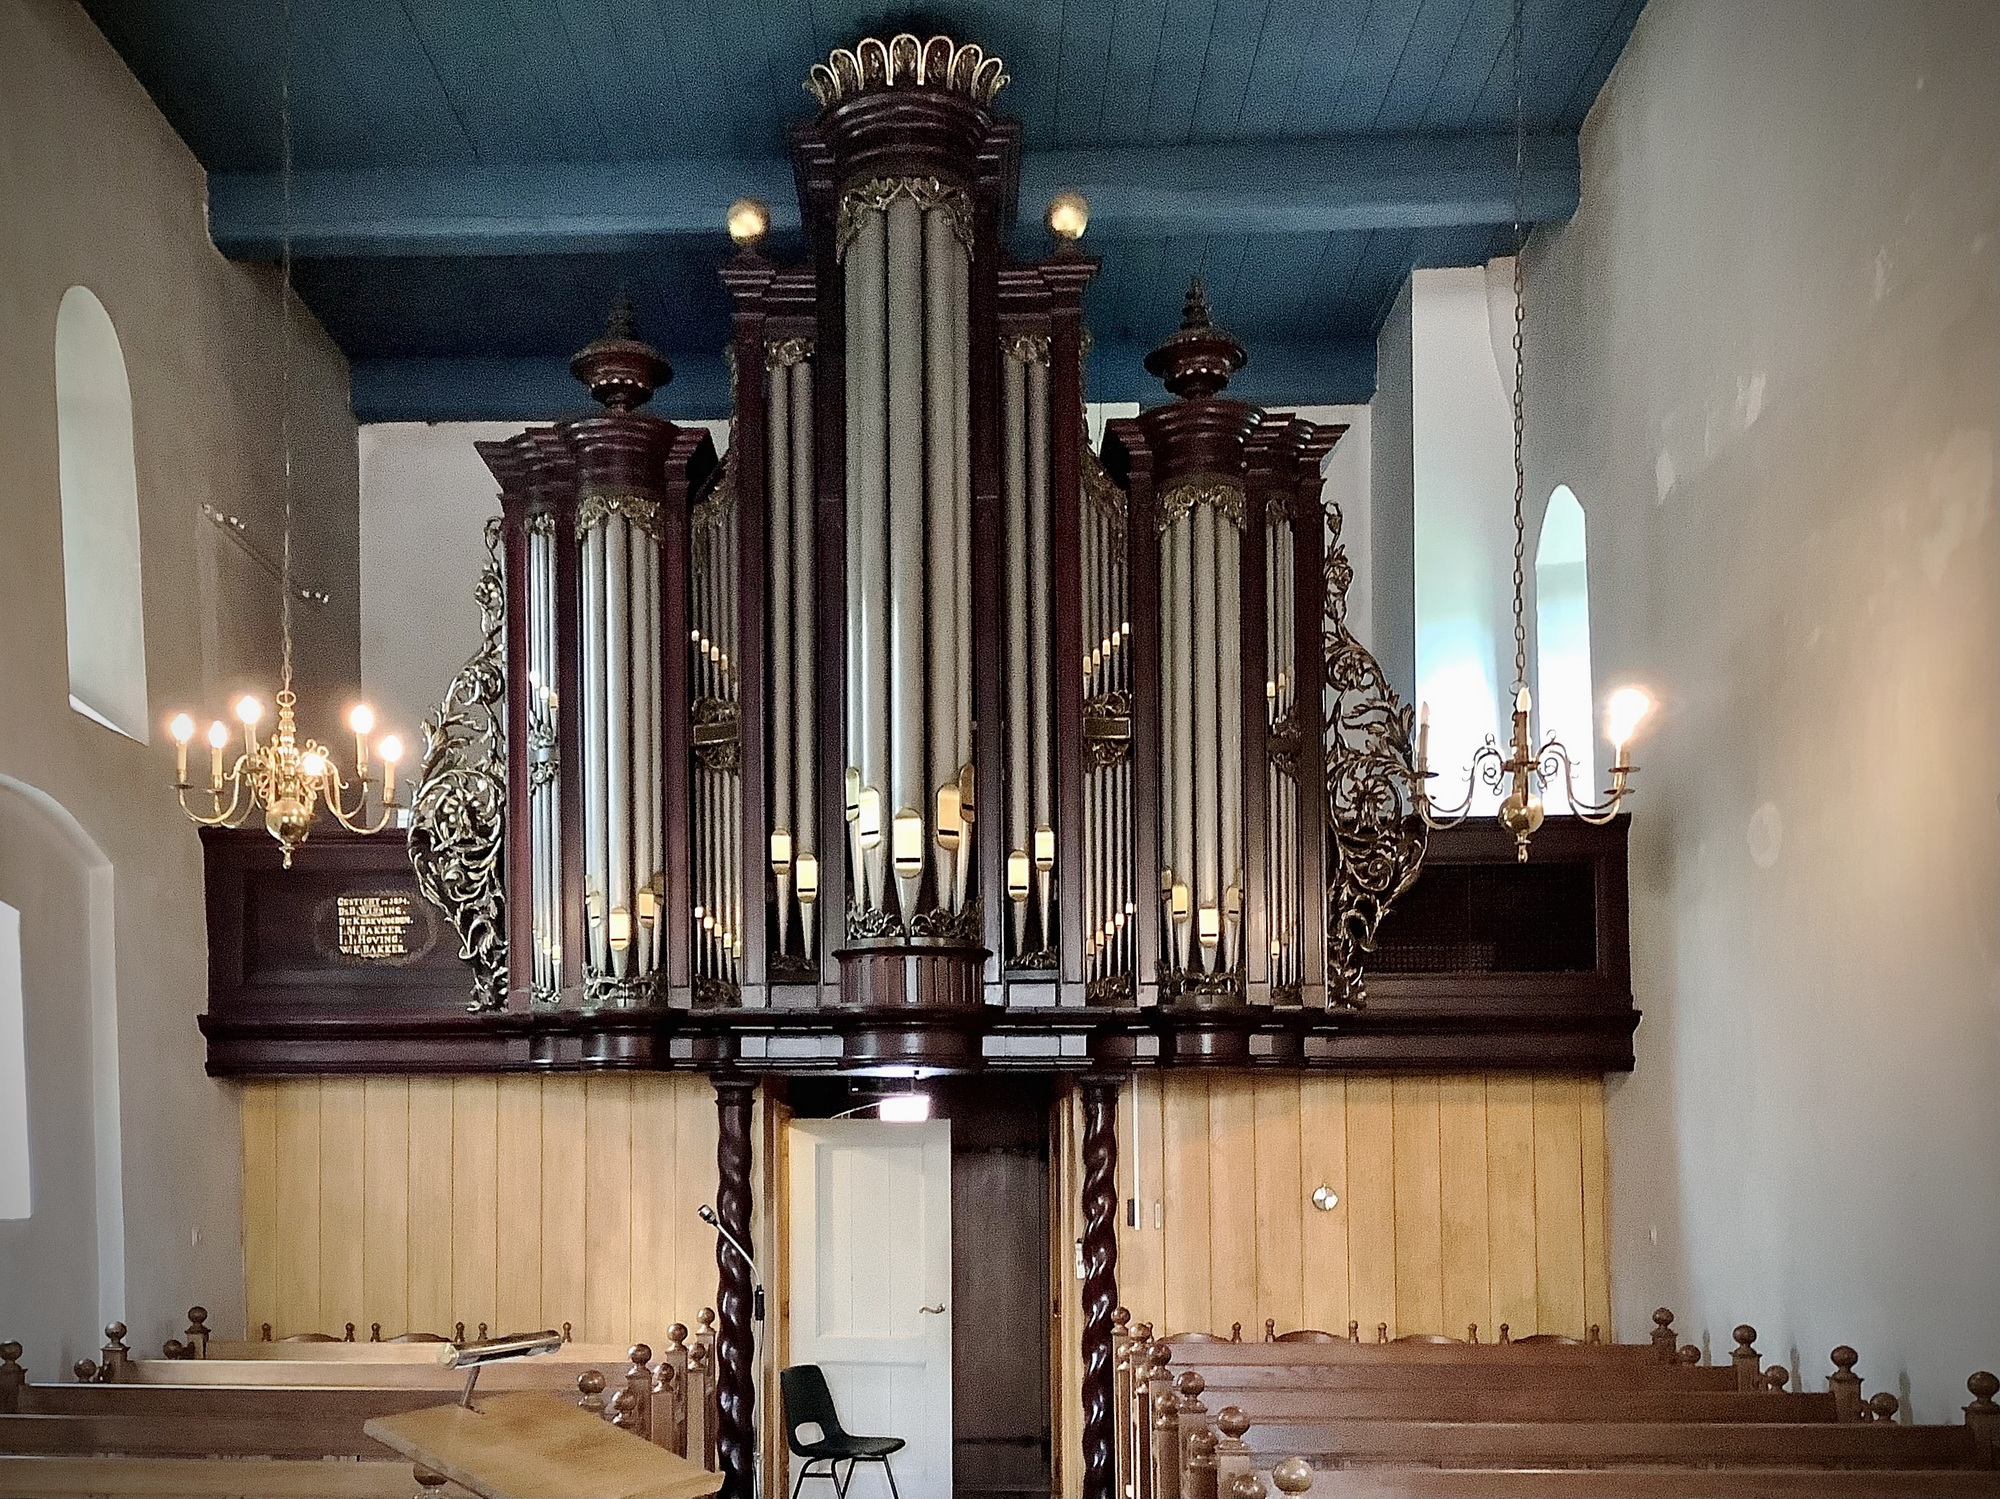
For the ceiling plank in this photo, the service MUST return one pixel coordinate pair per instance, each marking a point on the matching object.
(1279, 187)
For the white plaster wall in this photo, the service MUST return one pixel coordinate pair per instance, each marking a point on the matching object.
(96, 190)
(1392, 566)
(425, 499)
(1463, 485)
(1766, 355)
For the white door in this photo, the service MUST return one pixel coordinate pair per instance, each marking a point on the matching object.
(871, 1287)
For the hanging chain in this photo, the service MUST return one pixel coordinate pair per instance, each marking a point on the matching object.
(1520, 381)
(285, 344)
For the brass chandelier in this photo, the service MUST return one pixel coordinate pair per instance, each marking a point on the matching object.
(286, 777)
(1523, 770)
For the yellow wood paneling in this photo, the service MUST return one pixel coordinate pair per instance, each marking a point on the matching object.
(1281, 1225)
(1464, 1199)
(1371, 1204)
(1466, 1291)
(1596, 1209)
(1419, 1209)
(260, 1204)
(1233, 1242)
(343, 1189)
(1559, 1205)
(431, 1206)
(475, 1202)
(298, 1204)
(385, 1206)
(1510, 1201)
(1323, 1234)
(519, 1202)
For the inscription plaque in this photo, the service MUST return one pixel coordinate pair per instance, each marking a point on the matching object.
(373, 926)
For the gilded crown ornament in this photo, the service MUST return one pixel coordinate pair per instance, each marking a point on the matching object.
(905, 62)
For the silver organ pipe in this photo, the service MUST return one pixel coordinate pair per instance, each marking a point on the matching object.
(544, 793)
(804, 596)
(1014, 496)
(596, 826)
(1108, 895)
(1202, 743)
(716, 895)
(909, 608)
(778, 478)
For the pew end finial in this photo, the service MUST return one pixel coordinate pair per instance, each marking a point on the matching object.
(1292, 1475)
(1982, 1417)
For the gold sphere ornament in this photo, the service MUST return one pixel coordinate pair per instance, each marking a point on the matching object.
(749, 221)
(1068, 216)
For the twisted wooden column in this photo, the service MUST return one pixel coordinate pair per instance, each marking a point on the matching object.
(1100, 1279)
(736, 1392)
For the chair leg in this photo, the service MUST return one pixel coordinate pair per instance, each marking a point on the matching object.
(894, 1492)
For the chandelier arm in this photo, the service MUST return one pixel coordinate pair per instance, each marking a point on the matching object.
(1450, 817)
(216, 817)
(1597, 814)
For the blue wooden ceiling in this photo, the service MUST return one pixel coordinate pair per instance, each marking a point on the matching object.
(485, 102)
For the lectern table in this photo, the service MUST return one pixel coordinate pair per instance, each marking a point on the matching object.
(532, 1445)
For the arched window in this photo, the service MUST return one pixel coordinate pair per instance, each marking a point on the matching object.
(100, 519)
(1562, 641)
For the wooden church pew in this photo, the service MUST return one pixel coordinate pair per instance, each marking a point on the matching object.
(205, 1478)
(261, 1416)
(1435, 1417)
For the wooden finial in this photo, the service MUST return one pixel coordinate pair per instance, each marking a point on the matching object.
(1776, 1378)
(1506, 1333)
(625, 1412)
(349, 1336)
(704, 1321)
(197, 1331)
(1882, 1406)
(1292, 1475)
(1472, 1333)
(175, 1348)
(374, 1332)
(1845, 1384)
(1744, 1357)
(265, 1333)
(1270, 1329)
(12, 1378)
(117, 1357)
(1689, 1355)
(1354, 1332)
(85, 1370)
(1247, 1486)
(565, 1332)
(1232, 1422)
(458, 1332)
(1982, 1417)
(482, 1331)
(1120, 1320)
(1381, 1332)
(1190, 1385)
(590, 1385)
(426, 1479)
(677, 1336)
(1663, 1335)
(1595, 1335)
(1235, 1332)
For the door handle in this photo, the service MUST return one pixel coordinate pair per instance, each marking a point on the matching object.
(935, 1311)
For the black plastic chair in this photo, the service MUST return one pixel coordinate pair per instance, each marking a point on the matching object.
(809, 1402)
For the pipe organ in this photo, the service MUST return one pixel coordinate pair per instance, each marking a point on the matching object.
(913, 706)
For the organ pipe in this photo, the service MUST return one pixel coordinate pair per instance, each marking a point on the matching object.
(909, 731)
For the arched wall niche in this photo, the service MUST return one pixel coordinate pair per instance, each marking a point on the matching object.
(1564, 691)
(54, 873)
(104, 602)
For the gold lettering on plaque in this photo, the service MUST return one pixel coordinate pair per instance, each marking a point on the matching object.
(374, 926)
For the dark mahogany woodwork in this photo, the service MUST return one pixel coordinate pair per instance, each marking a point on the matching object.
(1100, 1278)
(1553, 991)
(735, 1387)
